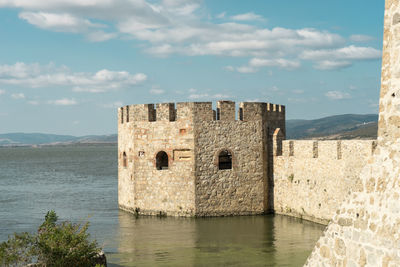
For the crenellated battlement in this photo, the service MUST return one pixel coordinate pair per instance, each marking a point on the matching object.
(201, 111)
(328, 149)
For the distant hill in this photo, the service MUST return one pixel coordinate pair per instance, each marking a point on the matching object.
(21, 139)
(347, 126)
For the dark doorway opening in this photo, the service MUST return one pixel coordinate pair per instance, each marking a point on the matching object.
(162, 161)
(225, 160)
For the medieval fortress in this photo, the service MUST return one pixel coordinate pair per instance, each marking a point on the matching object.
(190, 160)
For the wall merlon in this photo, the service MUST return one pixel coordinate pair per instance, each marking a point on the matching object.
(196, 111)
(165, 112)
(226, 110)
(252, 111)
(142, 112)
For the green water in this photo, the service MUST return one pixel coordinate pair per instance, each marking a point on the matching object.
(81, 181)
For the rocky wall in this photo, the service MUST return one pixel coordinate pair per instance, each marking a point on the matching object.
(142, 187)
(236, 191)
(312, 178)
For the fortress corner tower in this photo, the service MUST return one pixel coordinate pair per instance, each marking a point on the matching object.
(191, 160)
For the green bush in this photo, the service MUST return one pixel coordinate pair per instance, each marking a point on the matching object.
(55, 244)
(17, 250)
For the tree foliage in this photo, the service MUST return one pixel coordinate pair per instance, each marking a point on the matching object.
(55, 244)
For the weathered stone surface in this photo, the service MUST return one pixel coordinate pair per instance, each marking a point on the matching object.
(340, 247)
(192, 137)
(312, 178)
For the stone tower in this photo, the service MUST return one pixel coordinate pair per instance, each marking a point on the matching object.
(191, 160)
(366, 228)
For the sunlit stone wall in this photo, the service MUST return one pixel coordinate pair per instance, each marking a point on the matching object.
(143, 131)
(312, 178)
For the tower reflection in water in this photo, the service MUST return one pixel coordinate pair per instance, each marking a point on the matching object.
(237, 241)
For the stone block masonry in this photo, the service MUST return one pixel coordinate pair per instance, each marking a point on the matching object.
(312, 178)
(194, 161)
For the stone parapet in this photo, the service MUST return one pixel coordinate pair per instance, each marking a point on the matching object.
(201, 111)
(312, 178)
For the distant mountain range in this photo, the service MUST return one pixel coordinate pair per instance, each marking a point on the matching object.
(23, 139)
(348, 126)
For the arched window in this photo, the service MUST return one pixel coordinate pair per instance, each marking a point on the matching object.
(124, 160)
(162, 161)
(225, 160)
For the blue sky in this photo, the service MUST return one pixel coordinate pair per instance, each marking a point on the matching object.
(66, 65)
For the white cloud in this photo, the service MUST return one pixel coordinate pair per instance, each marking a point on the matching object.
(2, 92)
(165, 27)
(192, 90)
(278, 62)
(156, 91)
(246, 69)
(221, 15)
(332, 65)
(302, 100)
(36, 75)
(100, 36)
(18, 96)
(197, 96)
(58, 22)
(346, 53)
(253, 100)
(298, 92)
(33, 102)
(337, 95)
(256, 63)
(205, 95)
(115, 104)
(63, 102)
(247, 17)
(360, 38)
(220, 96)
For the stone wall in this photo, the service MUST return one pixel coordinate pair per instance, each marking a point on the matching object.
(312, 178)
(242, 190)
(236, 191)
(143, 188)
(365, 231)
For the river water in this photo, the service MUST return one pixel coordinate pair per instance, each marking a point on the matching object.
(80, 184)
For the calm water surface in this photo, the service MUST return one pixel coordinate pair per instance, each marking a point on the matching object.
(80, 183)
